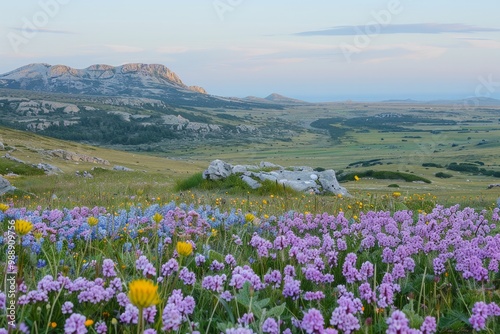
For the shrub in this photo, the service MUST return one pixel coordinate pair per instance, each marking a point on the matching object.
(442, 175)
(393, 185)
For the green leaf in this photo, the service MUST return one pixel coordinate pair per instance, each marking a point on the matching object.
(453, 320)
(213, 255)
(243, 297)
(276, 311)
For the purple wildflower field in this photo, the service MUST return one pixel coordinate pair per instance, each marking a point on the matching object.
(233, 272)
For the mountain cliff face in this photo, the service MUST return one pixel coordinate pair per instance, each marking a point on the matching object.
(128, 79)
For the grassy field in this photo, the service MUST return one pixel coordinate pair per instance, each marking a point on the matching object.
(443, 135)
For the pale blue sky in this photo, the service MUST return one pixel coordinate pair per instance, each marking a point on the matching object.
(323, 50)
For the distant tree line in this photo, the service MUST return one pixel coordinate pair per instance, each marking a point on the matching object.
(103, 128)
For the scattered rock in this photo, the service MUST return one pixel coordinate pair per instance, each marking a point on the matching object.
(48, 169)
(217, 170)
(491, 186)
(67, 155)
(122, 168)
(10, 157)
(301, 178)
(2, 147)
(265, 164)
(251, 182)
(5, 186)
(85, 174)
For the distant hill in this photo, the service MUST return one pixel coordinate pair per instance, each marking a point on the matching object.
(275, 98)
(152, 81)
(282, 99)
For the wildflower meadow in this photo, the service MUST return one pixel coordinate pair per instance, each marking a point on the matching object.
(179, 268)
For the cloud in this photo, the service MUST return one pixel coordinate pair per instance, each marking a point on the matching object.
(397, 52)
(123, 48)
(414, 28)
(483, 43)
(172, 49)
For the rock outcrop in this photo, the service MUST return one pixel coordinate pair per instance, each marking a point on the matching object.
(302, 178)
(48, 168)
(67, 155)
(122, 168)
(5, 186)
(217, 170)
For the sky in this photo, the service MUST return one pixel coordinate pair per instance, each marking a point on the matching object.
(323, 50)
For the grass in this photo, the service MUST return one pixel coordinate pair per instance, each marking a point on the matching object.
(383, 175)
(9, 166)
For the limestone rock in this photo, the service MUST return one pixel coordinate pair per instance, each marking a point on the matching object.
(122, 168)
(48, 169)
(251, 182)
(5, 186)
(302, 178)
(2, 147)
(265, 164)
(10, 157)
(217, 170)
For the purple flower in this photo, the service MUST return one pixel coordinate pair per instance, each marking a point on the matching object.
(216, 265)
(67, 308)
(142, 263)
(172, 318)
(246, 319)
(149, 331)
(429, 326)
(230, 260)
(313, 322)
(314, 295)
(214, 283)
(398, 323)
(101, 328)
(188, 277)
(131, 315)
(169, 268)
(480, 313)
(289, 270)
(108, 268)
(366, 293)
(270, 326)
(239, 330)
(3, 300)
(226, 295)
(273, 278)
(199, 260)
(75, 324)
(291, 288)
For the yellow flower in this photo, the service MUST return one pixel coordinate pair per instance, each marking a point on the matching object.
(157, 218)
(143, 293)
(214, 232)
(4, 207)
(92, 221)
(22, 227)
(89, 322)
(53, 324)
(396, 194)
(37, 235)
(356, 178)
(184, 248)
(249, 217)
